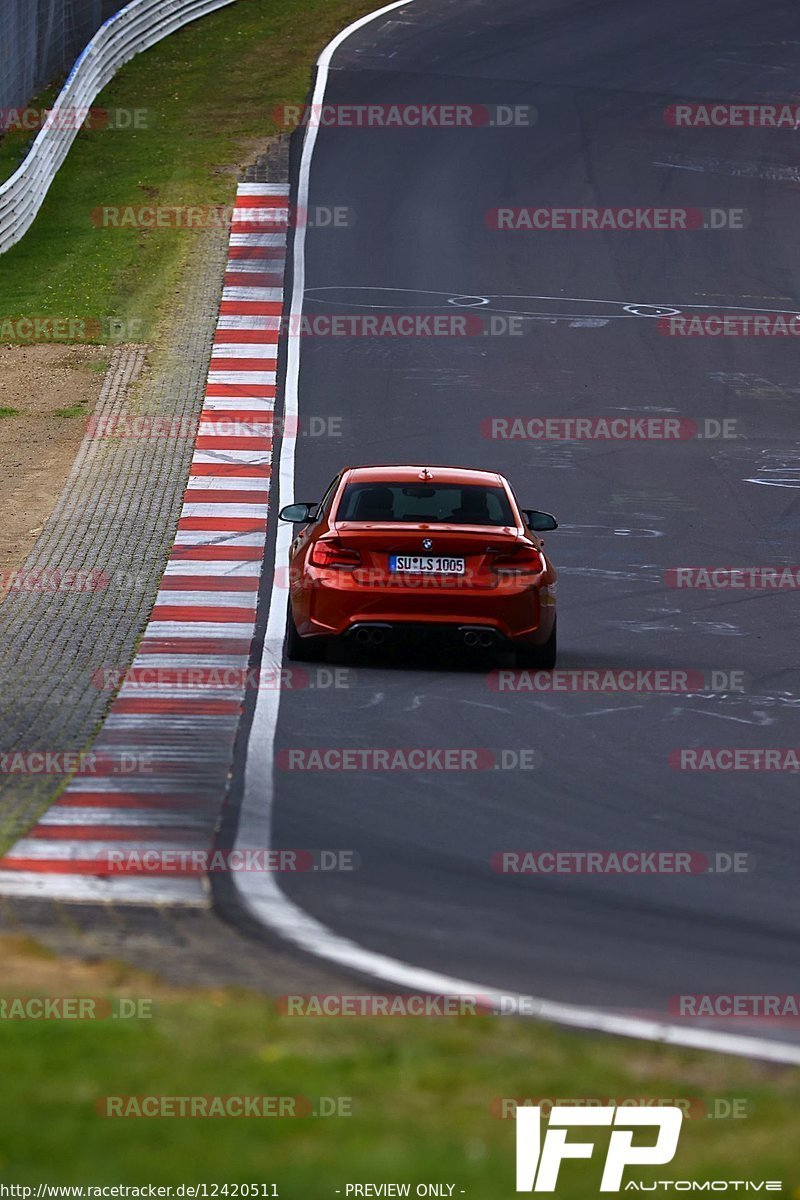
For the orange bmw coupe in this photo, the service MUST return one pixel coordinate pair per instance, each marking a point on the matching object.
(394, 551)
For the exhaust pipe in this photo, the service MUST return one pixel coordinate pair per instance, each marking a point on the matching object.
(478, 638)
(367, 635)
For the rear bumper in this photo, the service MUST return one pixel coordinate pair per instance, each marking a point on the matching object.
(329, 603)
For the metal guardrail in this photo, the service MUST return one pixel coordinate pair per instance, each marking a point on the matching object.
(134, 28)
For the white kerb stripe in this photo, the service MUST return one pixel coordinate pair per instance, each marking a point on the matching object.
(277, 240)
(149, 817)
(252, 293)
(244, 350)
(243, 377)
(221, 458)
(91, 889)
(263, 189)
(208, 599)
(196, 508)
(223, 404)
(200, 629)
(229, 321)
(253, 265)
(200, 484)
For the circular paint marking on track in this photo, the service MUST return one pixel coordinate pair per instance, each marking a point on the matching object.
(608, 531)
(469, 301)
(651, 310)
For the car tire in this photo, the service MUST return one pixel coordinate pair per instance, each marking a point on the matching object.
(302, 649)
(539, 658)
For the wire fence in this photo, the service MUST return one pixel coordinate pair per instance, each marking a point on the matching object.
(40, 40)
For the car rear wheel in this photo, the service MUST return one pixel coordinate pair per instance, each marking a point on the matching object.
(539, 658)
(301, 649)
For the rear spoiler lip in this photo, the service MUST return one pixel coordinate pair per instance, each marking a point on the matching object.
(432, 531)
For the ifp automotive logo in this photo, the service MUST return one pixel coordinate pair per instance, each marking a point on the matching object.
(539, 1160)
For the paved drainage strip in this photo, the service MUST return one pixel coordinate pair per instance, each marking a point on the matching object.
(137, 825)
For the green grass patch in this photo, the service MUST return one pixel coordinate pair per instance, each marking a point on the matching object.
(208, 95)
(424, 1095)
(7, 411)
(74, 410)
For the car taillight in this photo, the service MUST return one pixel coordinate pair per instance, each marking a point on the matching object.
(333, 554)
(525, 558)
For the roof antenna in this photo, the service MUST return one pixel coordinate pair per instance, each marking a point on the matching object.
(425, 474)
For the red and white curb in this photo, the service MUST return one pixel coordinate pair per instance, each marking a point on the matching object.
(154, 783)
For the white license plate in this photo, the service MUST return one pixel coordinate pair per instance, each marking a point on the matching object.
(425, 564)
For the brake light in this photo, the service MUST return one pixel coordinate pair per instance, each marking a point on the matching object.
(333, 554)
(524, 558)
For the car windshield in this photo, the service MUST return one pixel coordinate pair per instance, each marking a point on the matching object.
(443, 503)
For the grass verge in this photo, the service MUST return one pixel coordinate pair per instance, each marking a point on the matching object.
(424, 1093)
(207, 94)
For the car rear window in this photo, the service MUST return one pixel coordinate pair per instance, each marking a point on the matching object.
(445, 503)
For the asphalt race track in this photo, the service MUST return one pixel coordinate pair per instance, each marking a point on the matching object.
(600, 76)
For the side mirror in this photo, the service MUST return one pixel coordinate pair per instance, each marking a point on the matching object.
(298, 513)
(539, 522)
